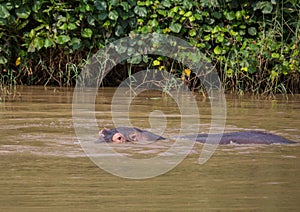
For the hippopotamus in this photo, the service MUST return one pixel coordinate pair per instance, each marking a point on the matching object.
(133, 134)
(127, 134)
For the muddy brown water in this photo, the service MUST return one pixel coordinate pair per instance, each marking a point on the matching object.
(44, 167)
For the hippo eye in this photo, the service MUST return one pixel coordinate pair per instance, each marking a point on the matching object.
(119, 138)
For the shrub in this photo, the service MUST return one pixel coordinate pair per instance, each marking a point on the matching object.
(253, 44)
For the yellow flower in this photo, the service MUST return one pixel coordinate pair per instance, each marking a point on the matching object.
(156, 62)
(187, 72)
(244, 69)
(18, 61)
(161, 68)
(166, 30)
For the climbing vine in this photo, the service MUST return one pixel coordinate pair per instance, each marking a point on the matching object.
(253, 44)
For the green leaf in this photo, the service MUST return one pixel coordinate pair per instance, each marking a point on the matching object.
(252, 70)
(37, 6)
(192, 18)
(145, 58)
(23, 24)
(187, 4)
(140, 11)
(217, 15)
(114, 2)
(275, 55)
(239, 38)
(72, 26)
(100, 5)
(145, 29)
(205, 14)
(3, 22)
(252, 31)
(206, 38)
(23, 12)
(148, 3)
(91, 20)
(106, 24)
(175, 27)
(119, 31)
(48, 43)
(201, 45)
(268, 8)
(265, 7)
(192, 32)
(124, 15)
(229, 15)
(86, 33)
(239, 14)
(64, 26)
(102, 16)
(209, 20)
(216, 29)
(89, 7)
(3, 12)
(153, 15)
(62, 39)
(274, 74)
(175, 9)
(198, 17)
(125, 6)
(3, 60)
(188, 14)
(162, 12)
(171, 14)
(113, 15)
(220, 38)
(233, 33)
(166, 3)
(31, 48)
(153, 23)
(10, 5)
(244, 45)
(242, 32)
(218, 50)
(38, 43)
(75, 43)
(141, 3)
(229, 72)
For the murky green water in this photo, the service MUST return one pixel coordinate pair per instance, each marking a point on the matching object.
(44, 167)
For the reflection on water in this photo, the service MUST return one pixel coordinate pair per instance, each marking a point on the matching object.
(43, 165)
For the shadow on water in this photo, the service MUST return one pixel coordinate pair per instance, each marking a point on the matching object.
(43, 165)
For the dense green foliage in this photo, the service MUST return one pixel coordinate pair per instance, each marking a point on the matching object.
(253, 44)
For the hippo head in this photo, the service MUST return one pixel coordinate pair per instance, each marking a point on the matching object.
(117, 135)
(126, 134)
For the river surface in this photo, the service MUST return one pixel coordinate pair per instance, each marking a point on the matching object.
(43, 165)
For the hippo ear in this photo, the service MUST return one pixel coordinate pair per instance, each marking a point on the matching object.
(101, 132)
(132, 137)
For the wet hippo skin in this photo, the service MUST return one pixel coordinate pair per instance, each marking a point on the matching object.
(247, 137)
(132, 134)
